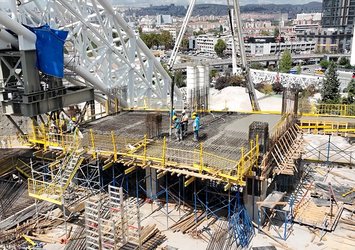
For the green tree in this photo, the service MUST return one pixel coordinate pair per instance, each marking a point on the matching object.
(276, 32)
(179, 79)
(299, 69)
(219, 47)
(324, 64)
(221, 28)
(166, 39)
(330, 90)
(350, 89)
(236, 80)
(265, 33)
(343, 61)
(256, 65)
(148, 39)
(286, 61)
(185, 44)
(213, 73)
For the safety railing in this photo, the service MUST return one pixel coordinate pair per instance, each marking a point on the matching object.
(326, 127)
(159, 152)
(343, 110)
(162, 154)
(45, 191)
(108, 143)
(187, 157)
(44, 136)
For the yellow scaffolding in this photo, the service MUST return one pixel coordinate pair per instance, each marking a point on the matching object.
(142, 152)
(340, 110)
(45, 191)
(322, 126)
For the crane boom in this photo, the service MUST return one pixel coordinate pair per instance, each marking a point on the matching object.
(245, 68)
(181, 34)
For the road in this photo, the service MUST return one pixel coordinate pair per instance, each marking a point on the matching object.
(266, 58)
(344, 77)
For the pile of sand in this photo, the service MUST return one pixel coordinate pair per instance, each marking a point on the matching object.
(237, 99)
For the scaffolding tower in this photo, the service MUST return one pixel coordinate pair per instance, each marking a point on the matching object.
(111, 220)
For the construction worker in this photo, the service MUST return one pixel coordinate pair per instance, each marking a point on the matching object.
(172, 114)
(72, 124)
(184, 122)
(196, 125)
(177, 126)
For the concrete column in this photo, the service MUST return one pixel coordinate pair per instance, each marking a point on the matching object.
(254, 192)
(152, 185)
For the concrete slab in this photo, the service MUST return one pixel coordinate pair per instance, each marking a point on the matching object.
(222, 134)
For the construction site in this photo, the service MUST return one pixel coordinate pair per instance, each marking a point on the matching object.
(92, 155)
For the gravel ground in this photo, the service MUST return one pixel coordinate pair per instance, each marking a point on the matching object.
(7, 128)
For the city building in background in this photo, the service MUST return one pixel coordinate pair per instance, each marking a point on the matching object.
(164, 19)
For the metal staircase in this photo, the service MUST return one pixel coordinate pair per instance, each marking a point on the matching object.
(70, 169)
(51, 181)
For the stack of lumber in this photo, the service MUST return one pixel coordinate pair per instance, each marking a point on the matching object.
(189, 223)
(151, 237)
(34, 227)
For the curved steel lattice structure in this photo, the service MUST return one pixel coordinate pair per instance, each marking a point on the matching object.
(288, 80)
(102, 51)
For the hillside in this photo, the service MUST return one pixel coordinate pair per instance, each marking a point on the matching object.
(220, 10)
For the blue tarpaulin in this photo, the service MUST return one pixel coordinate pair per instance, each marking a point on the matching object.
(50, 49)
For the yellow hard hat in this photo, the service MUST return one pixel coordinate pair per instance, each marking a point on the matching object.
(73, 119)
(174, 117)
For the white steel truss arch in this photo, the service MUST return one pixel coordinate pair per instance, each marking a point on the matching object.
(104, 50)
(287, 80)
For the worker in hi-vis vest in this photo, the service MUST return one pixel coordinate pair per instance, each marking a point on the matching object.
(196, 125)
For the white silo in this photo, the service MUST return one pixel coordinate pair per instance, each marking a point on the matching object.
(191, 82)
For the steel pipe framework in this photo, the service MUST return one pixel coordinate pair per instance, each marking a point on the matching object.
(101, 48)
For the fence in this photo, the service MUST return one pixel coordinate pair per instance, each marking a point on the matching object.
(327, 110)
(157, 152)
